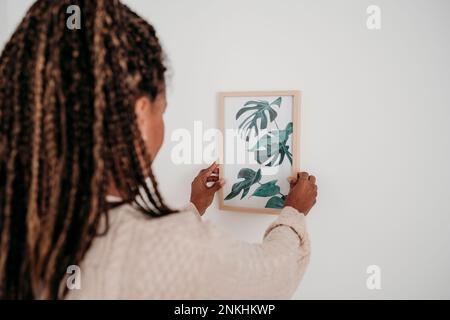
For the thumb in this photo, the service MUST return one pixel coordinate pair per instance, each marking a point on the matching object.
(292, 182)
(208, 171)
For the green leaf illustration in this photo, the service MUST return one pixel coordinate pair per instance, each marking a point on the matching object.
(259, 109)
(272, 148)
(267, 189)
(250, 178)
(275, 202)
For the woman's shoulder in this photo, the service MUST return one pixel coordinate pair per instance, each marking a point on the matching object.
(180, 231)
(133, 233)
(129, 215)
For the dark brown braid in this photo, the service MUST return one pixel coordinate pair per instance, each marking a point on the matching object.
(67, 129)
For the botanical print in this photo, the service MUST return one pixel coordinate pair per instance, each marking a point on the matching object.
(273, 145)
(270, 150)
(268, 189)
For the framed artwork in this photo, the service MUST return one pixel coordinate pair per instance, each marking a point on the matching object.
(259, 148)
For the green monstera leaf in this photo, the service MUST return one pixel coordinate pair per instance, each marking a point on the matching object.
(267, 189)
(256, 110)
(275, 202)
(250, 178)
(272, 148)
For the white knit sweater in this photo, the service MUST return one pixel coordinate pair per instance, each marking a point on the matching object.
(182, 257)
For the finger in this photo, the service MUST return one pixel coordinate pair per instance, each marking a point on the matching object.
(217, 186)
(205, 170)
(211, 168)
(292, 179)
(303, 175)
(292, 184)
(212, 179)
(312, 179)
(216, 171)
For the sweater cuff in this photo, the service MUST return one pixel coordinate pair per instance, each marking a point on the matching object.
(192, 208)
(293, 219)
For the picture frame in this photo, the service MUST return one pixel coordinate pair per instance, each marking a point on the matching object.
(266, 128)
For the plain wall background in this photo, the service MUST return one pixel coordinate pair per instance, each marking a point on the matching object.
(375, 125)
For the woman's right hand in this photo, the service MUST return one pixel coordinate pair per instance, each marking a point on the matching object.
(303, 193)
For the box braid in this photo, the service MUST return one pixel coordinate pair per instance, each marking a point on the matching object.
(67, 129)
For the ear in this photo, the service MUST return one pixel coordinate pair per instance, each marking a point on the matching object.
(142, 108)
(142, 105)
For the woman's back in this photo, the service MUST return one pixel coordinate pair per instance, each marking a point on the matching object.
(181, 257)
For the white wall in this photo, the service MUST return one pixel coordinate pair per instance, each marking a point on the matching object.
(375, 114)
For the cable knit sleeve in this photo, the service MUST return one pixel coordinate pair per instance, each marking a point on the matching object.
(268, 270)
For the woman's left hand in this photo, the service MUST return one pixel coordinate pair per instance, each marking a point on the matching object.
(202, 195)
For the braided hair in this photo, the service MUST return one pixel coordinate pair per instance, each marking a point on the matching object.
(67, 129)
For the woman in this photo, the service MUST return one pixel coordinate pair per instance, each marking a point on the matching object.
(81, 119)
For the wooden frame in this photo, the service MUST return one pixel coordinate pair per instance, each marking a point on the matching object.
(296, 101)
